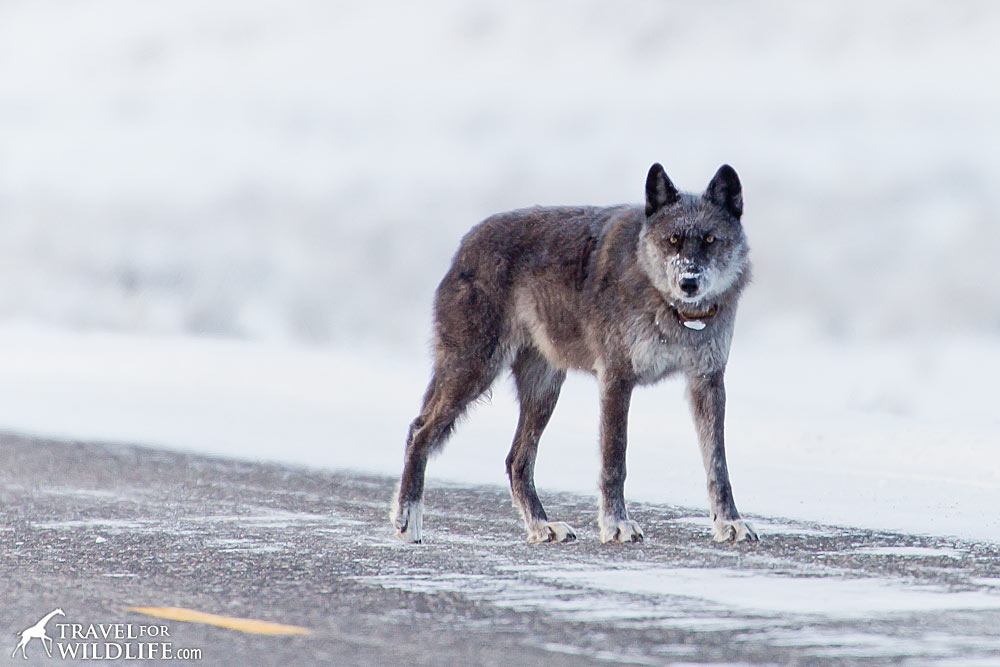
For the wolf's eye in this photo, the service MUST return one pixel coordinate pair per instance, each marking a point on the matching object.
(673, 240)
(709, 239)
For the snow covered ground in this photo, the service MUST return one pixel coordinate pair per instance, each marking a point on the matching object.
(302, 170)
(896, 436)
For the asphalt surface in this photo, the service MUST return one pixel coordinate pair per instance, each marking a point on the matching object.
(95, 529)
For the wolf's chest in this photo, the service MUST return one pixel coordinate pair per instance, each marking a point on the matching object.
(654, 358)
(656, 353)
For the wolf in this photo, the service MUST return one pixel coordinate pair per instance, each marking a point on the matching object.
(630, 294)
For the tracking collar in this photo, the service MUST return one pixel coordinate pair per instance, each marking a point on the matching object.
(695, 320)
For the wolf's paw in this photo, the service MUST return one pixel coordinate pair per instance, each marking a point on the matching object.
(408, 519)
(550, 531)
(734, 531)
(621, 531)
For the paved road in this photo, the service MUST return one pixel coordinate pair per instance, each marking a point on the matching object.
(94, 529)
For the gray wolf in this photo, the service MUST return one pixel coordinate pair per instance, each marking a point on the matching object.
(630, 294)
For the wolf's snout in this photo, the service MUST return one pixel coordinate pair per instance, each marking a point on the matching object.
(689, 285)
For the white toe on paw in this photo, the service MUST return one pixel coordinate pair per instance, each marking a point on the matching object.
(550, 531)
(734, 531)
(408, 519)
(621, 531)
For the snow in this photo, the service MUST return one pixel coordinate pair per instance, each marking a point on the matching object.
(814, 612)
(752, 592)
(886, 436)
(302, 171)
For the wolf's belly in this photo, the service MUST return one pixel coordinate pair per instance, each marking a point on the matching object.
(555, 331)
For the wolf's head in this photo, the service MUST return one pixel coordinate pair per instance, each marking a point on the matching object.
(692, 247)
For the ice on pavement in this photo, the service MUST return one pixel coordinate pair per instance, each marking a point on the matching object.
(739, 596)
(817, 608)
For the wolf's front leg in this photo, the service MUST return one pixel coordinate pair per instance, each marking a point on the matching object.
(708, 404)
(616, 394)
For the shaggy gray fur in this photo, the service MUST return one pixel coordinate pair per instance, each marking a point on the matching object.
(630, 294)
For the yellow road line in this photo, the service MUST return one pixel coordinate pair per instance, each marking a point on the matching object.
(242, 624)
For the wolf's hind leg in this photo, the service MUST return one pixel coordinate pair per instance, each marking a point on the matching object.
(538, 384)
(451, 390)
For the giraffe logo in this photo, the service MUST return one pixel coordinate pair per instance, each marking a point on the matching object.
(37, 630)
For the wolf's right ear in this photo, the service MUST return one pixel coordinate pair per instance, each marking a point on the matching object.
(725, 190)
(660, 191)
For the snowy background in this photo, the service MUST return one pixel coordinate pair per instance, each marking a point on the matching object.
(221, 225)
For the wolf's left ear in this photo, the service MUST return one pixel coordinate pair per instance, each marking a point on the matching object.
(725, 190)
(659, 190)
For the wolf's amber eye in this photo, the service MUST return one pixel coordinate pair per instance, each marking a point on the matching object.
(709, 239)
(673, 240)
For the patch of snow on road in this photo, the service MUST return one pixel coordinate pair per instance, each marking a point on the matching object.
(789, 611)
(751, 592)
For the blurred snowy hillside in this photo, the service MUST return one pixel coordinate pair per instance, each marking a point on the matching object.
(302, 171)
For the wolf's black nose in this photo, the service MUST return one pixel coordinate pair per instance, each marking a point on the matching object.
(689, 285)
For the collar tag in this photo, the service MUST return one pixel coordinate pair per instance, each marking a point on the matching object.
(696, 321)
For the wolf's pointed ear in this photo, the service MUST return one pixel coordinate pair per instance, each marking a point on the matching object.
(725, 190)
(659, 190)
